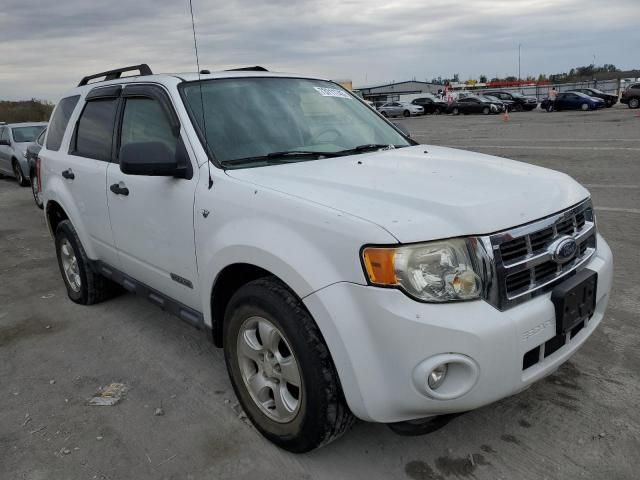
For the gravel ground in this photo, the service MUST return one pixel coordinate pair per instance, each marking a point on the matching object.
(581, 422)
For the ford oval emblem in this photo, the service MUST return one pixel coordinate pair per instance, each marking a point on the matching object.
(564, 250)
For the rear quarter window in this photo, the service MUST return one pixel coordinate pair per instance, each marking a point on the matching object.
(59, 121)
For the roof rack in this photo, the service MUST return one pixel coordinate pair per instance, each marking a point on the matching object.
(143, 68)
(257, 68)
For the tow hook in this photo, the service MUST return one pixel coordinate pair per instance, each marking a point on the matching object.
(421, 426)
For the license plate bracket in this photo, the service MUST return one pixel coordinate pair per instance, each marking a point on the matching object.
(575, 300)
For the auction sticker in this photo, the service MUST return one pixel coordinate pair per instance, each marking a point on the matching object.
(332, 92)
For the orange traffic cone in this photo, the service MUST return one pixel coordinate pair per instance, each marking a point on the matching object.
(505, 115)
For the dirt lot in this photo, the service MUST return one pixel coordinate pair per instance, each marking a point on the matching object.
(582, 422)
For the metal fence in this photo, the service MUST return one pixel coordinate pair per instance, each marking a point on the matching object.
(541, 91)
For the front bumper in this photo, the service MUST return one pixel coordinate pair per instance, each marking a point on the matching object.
(379, 338)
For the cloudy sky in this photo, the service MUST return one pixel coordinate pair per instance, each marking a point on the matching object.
(47, 46)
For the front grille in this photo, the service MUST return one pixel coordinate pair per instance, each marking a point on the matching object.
(524, 256)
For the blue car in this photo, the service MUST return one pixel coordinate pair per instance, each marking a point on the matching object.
(572, 101)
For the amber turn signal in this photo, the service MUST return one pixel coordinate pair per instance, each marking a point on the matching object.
(379, 263)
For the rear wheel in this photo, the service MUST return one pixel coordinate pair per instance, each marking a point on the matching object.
(281, 369)
(437, 111)
(35, 190)
(84, 286)
(634, 102)
(550, 107)
(17, 172)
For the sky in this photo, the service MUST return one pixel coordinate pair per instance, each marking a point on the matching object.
(47, 46)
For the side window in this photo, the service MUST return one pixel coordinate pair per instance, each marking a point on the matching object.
(60, 120)
(94, 133)
(40, 139)
(4, 135)
(144, 121)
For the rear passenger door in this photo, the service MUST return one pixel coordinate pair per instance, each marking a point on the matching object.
(83, 170)
(152, 220)
(5, 152)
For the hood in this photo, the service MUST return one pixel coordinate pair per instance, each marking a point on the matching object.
(425, 192)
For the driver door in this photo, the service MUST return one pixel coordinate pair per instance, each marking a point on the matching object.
(152, 216)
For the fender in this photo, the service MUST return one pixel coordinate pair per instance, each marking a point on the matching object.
(57, 192)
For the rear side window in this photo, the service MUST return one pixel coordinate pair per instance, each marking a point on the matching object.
(94, 133)
(60, 121)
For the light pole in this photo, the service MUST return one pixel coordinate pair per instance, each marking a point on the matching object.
(519, 47)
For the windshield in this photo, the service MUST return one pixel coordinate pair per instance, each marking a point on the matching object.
(27, 134)
(251, 118)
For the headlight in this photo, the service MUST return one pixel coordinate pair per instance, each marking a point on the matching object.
(441, 271)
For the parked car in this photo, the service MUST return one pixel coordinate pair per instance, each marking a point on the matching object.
(14, 140)
(31, 154)
(346, 270)
(430, 105)
(507, 105)
(521, 102)
(631, 96)
(397, 109)
(469, 105)
(572, 101)
(609, 99)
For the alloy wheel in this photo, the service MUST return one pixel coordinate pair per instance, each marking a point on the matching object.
(70, 265)
(269, 369)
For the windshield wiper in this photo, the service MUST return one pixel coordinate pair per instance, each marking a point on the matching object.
(369, 147)
(279, 157)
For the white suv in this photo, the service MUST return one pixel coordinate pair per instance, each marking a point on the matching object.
(346, 270)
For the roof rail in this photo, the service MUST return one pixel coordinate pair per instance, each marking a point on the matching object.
(257, 68)
(143, 68)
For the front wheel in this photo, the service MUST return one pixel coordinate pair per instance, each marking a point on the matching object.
(486, 110)
(549, 107)
(406, 113)
(281, 369)
(437, 111)
(519, 107)
(584, 107)
(17, 172)
(384, 114)
(456, 111)
(634, 103)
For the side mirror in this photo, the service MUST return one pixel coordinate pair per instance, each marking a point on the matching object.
(154, 159)
(403, 129)
(5, 142)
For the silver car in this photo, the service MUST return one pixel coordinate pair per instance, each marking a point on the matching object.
(14, 140)
(397, 109)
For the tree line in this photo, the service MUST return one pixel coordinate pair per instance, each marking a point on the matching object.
(25, 111)
(575, 74)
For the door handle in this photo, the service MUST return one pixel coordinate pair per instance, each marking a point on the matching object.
(68, 174)
(119, 189)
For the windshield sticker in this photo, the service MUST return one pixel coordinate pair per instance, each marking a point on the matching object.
(332, 92)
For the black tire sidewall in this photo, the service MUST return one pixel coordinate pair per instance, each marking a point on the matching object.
(305, 431)
(34, 185)
(66, 230)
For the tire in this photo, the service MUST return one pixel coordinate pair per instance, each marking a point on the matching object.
(34, 190)
(406, 113)
(384, 114)
(584, 107)
(84, 286)
(310, 415)
(17, 172)
(549, 108)
(486, 110)
(437, 111)
(634, 102)
(455, 111)
(519, 107)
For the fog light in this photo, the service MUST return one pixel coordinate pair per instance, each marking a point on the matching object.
(437, 376)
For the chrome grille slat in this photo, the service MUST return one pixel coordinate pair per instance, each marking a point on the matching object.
(524, 264)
